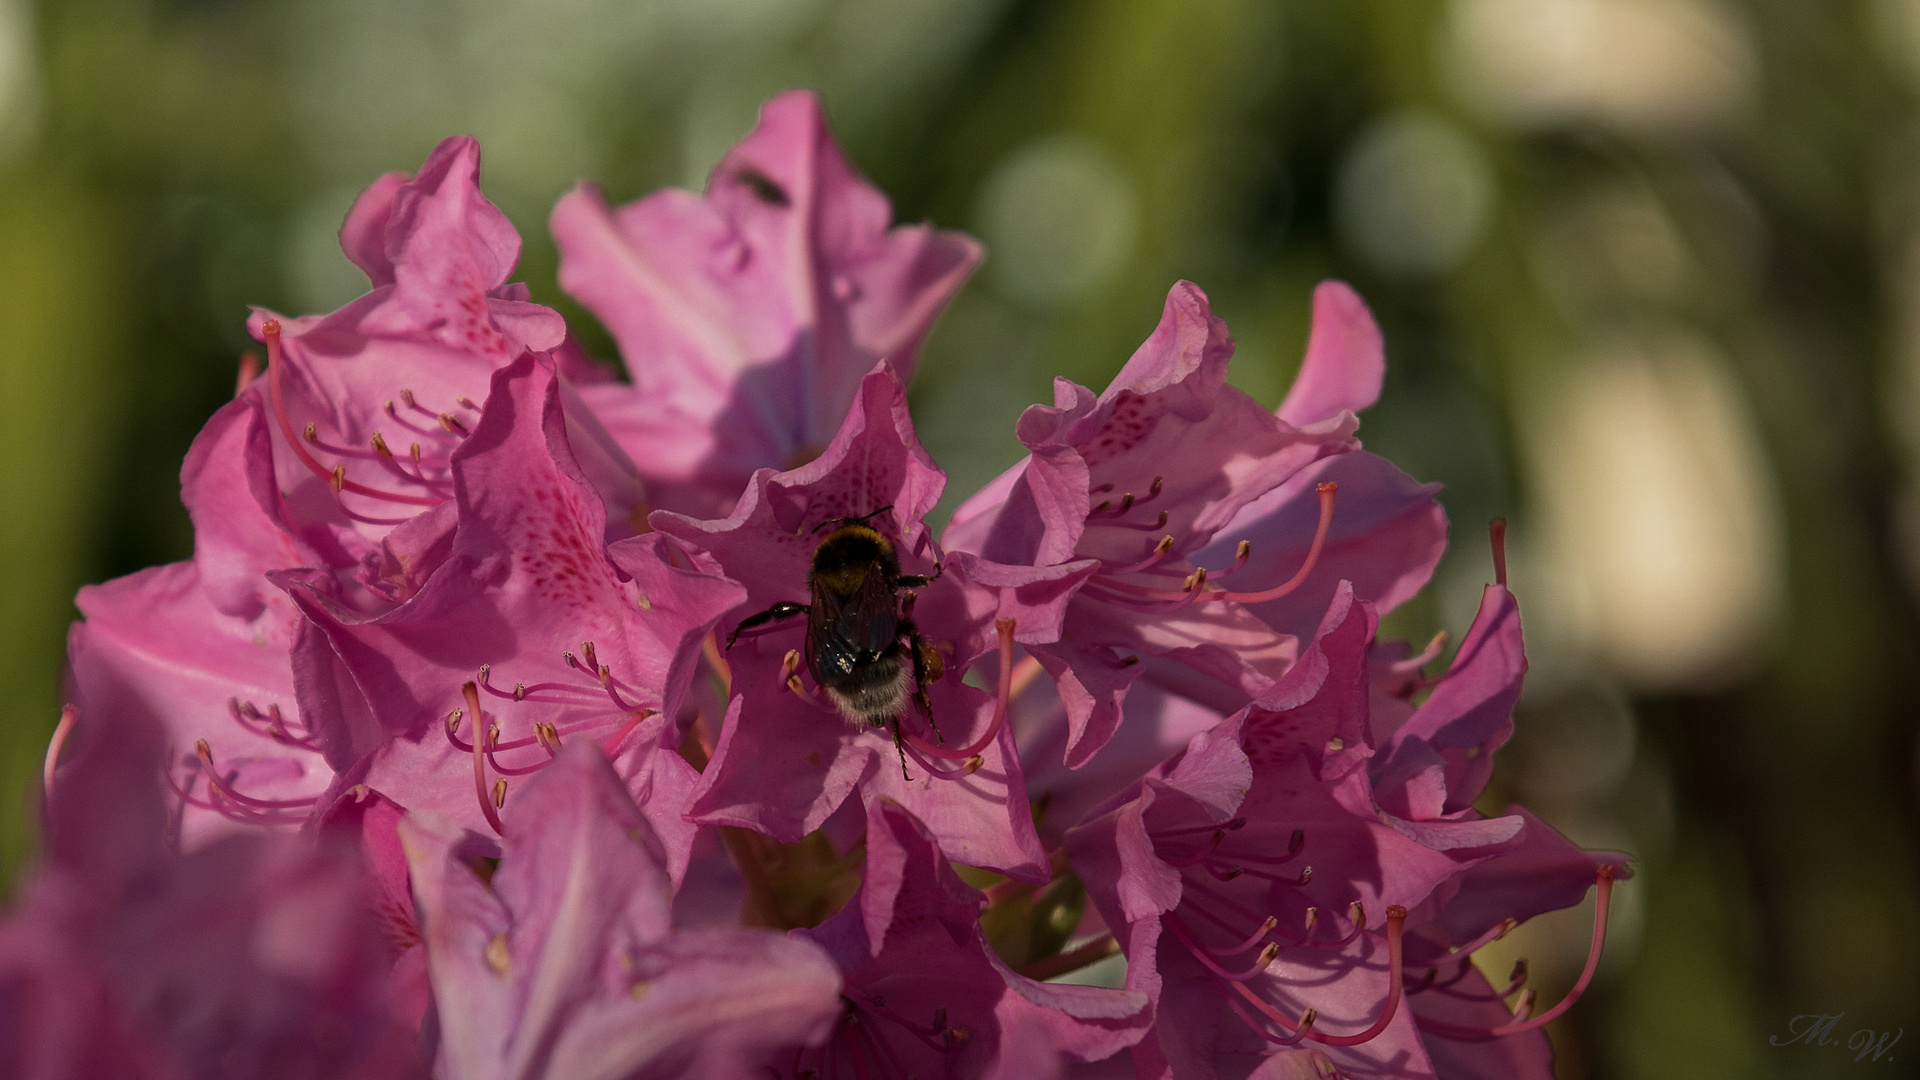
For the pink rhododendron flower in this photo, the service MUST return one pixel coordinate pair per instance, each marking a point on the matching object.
(562, 962)
(521, 708)
(333, 462)
(926, 996)
(253, 956)
(747, 317)
(1232, 867)
(786, 758)
(531, 634)
(1144, 477)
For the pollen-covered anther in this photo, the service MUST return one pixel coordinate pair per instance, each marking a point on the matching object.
(497, 956)
(1165, 545)
(799, 689)
(312, 432)
(1126, 502)
(380, 445)
(466, 402)
(973, 764)
(1523, 1008)
(452, 424)
(1306, 875)
(453, 721)
(1310, 922)
(789, 664)
(1158, 483)
(1242, 552)
(519, 691)
(493, 736)
(338, 478)
(1357, 914)
(500, 793)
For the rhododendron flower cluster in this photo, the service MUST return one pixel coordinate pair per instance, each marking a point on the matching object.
(483, 735)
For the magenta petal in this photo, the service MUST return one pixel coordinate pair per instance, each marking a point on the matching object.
(363, 236)
(449, 246)
(567, 967)
(1346, 359)
(527, 586)
(748, 317)
(913, 954)
(1388, 534)
(152, 649)
(1469, 715)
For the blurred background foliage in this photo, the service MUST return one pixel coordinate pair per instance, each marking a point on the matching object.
(1649, 272)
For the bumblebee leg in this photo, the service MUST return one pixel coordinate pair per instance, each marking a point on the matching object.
(928, 666)
(921, 581)
(786, 609)
(900, 747)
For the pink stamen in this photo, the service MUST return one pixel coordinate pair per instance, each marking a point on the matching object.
(1426, 656)
(1159, 552)
(472, 694)
(1000, 700)
(275, 362)
(1197, 590)
(614, 740)
(205, 754)
(1205, 956)
(1303, 1025)
(1396, 925)
(68, 714)
(1601, 899)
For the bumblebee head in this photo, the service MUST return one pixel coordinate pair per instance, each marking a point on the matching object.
(849, 553)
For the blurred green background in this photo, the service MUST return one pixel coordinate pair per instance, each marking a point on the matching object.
(1649, 272)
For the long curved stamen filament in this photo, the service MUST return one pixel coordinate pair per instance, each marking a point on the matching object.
(1159, 552)
(226, 790)
(1426, 656)
(1197, 590)
(1604, 880)
(1259, 934)
(1000, 700)
(472, 694)
(275, 362)
(1206, 851)
(633, 721)
(68, 714)
(1302, 1027)
(1515, 981)
(1396, 925)
(1205, 955)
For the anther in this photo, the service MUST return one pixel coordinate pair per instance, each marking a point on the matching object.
(1298, 841)
(519, 691)
(1357, 914)
(498, 958)
(380, 446)
(1313, 920)
(789, 664)
(312, 433)
(1523, 1008)
(1165, 545)
(1126, 502)
(452, 425)
(1242, 552)
(339, 480)
(413, 451)
(1161, 522)
(493, 736)
(1158, 482)
(466, 402)
(453, 720)
(407, 396)
(500, 793)
(360, 792)
(1306, 875)
(1105, 505)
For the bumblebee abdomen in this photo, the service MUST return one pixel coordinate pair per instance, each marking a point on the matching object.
(873, 693)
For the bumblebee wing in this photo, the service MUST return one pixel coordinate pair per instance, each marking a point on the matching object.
(846, 629)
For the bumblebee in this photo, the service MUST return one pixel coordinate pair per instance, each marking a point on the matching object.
(863, 649)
